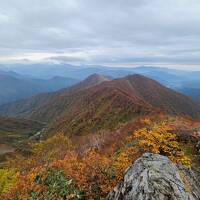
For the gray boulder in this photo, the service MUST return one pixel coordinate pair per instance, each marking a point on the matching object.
(155, 177)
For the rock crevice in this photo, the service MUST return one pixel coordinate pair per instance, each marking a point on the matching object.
(155, 177)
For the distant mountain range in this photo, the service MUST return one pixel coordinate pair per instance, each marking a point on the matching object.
(186, 82)
(14, 86)
(99, 103)
(194, 93)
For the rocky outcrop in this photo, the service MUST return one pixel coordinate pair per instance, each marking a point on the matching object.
(155, 177)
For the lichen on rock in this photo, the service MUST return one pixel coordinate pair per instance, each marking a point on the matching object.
(155, 177)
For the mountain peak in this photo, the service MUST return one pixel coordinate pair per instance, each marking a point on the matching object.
(94, 79)
(137, 77)
(96, 103)
(97, 77)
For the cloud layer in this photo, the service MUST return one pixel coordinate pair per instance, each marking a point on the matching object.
(101, 31)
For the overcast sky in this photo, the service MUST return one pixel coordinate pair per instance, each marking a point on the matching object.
(112, 32)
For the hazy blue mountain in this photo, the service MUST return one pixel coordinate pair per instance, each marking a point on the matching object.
(50, 70)
(55, 83)
(14, 87)
(43, 71)
(192, 92)
(172, 78)
(11, 73)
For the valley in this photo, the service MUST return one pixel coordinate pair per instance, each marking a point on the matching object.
(99, 100)
(15, 131)
(96, 122)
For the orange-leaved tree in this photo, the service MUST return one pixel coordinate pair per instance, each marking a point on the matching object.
(156, 139)
(93, 172)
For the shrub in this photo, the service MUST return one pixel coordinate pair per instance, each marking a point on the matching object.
(156, 139)
(49, 184)
(42, 153)
(8, 178)
(92, 172)
(56, 186)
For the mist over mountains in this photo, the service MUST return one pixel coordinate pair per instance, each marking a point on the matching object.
(14, 86)
(19, 81)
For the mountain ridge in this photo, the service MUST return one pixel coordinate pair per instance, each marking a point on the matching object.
(14, 87)
(175, 79)
(97, 103)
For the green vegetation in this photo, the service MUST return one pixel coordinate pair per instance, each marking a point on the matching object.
(57, 186)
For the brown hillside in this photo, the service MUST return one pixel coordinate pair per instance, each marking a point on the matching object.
(37, 107)
(93, 104)
(13, 131)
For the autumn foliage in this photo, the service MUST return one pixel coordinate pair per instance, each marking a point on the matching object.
(156, 139)
(93, 172)
(8, 178)
(56, 170)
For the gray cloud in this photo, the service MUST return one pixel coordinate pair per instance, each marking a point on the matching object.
(101, 31)
(66, 59)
